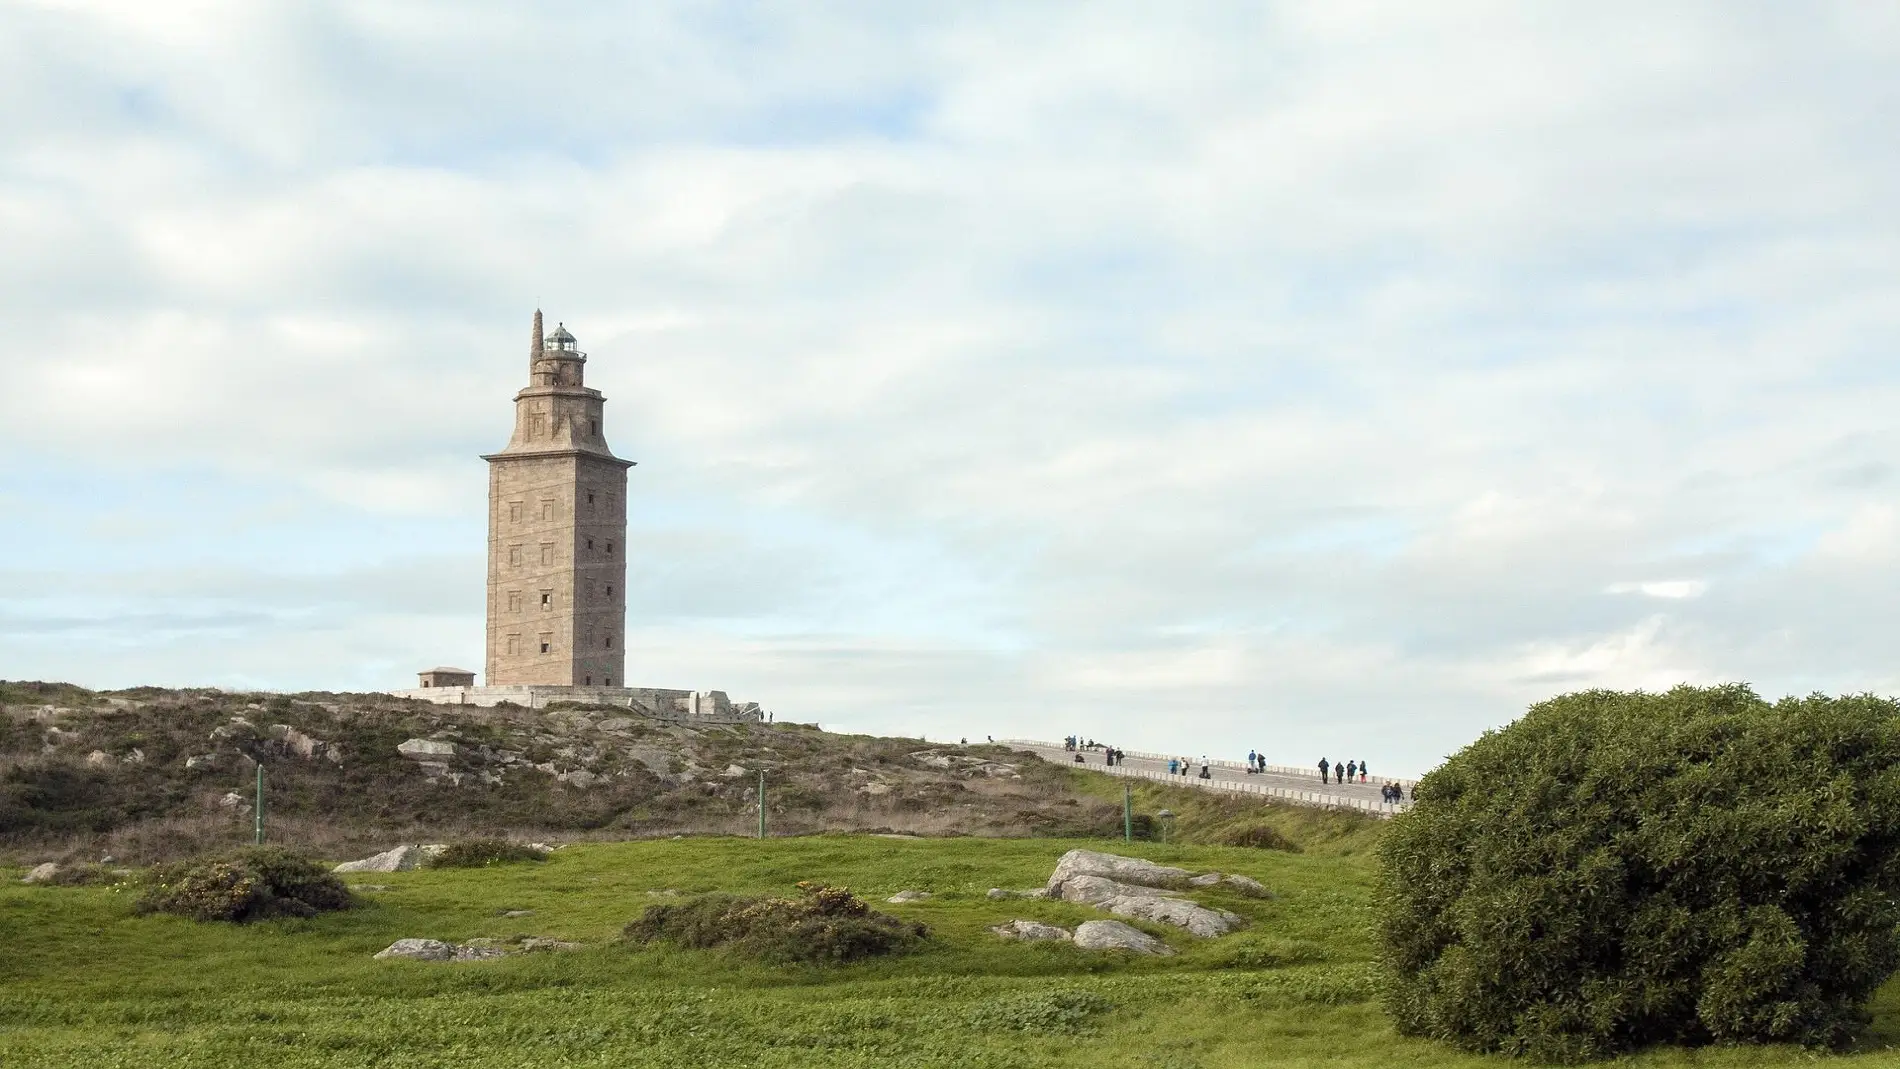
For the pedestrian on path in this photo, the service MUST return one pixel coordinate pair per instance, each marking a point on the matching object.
(1251, 758)
(1173, 765)
(1325, 771)
(1362, 772)
(1352, 770)
(1205, 774)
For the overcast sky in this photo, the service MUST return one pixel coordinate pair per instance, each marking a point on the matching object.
(1327, 378)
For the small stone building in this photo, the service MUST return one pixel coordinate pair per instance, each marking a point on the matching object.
(447, 677)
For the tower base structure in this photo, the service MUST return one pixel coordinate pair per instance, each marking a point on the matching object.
(686, 706)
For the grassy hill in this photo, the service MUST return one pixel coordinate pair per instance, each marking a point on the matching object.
(86, 982)
(149, 773)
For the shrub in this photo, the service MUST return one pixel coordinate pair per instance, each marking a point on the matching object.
(822, 926)
(479, 853)
(1615, 870)
(82, 875)
(247, 885)
(1258, 836)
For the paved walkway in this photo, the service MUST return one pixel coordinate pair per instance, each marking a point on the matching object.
(1278, 781)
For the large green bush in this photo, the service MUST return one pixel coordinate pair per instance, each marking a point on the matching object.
(247, 885)
(822, 926)
(1616, 870)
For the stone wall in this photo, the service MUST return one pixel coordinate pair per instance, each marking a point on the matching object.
(700, 706)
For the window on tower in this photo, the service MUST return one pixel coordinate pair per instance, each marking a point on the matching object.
(514, 512)
(610, 642)
(610, 549)
(547, 508)
(593, 427)
(514, 555)
(514, 601)
(610, 590)
(547, 600)
(514, 645)
(547, 553)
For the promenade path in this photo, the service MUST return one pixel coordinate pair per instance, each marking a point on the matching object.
(1297, 786)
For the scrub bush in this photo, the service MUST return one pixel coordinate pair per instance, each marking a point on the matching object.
(480, 853)
(247, 885)
(822, 926)
(1622, 869)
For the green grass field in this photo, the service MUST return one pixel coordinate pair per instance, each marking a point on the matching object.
(88, 983)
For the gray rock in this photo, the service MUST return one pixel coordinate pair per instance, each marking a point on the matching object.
(909, 896)
(1199, 920)
(1205, 879)
(1246, 885)
(615, 723)
(517, 913)
(475, 953)
(1114, 935)
(580, 777)
(1030, 931)
(1095, 890)
(430, 850)
(370, 887)
(208, 760)
(100, 759)
(41, 873)
(419, 950)
(1129, 870)
(535, 944)
(423, 749)
(400, 859)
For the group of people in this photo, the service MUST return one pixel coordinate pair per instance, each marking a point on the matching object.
(1181, 766)
(1392, 793)
(1350, 772)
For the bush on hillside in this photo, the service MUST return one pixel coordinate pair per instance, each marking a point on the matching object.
(247, 885)
(480, 853)
(822, 926)
(1621, 869)
(1260, 836)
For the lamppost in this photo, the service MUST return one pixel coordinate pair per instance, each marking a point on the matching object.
(1167, 823)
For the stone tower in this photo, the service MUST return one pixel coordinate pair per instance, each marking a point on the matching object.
(557, 532)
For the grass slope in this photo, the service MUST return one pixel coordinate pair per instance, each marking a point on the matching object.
(87, 983)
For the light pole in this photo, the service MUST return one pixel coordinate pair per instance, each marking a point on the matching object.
(1166, 816)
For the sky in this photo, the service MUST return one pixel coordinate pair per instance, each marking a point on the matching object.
(1326, 378)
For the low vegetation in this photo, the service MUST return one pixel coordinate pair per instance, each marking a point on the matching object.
(822, 925)
(481, 853)
(1617, 870)
(247, 885)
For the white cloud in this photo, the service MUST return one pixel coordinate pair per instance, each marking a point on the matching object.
(1231, 376)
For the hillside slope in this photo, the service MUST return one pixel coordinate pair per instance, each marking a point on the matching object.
(147, 772)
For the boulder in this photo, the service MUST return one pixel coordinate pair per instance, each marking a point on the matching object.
(1129, 870)
(1205, 879)
(998, 894)
(931, 759)
(1114, 935)
(909, 896)
(875, 789)
(733, 771)
(517, 913)
(474, 953)
(419, 950)
(1198, 920)
(1030, 931)
(100, 759)
(400, 859)
(208, 760)
(535, 943)
(425, 749)
(41, 873)
(1095, 890)
(1245, 885)
(615, 723)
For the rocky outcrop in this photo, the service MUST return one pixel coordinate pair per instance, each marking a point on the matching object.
(426, 750)
(400, 859)
(1031, 931)
(909, 896)
(1127, 870)
(41, 873)
(1114, 935)
(1133, 887)
(437, 950)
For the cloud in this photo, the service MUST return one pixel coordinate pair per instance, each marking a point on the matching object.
(1274, 378)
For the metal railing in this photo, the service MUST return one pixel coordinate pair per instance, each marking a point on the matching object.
(1293, 795)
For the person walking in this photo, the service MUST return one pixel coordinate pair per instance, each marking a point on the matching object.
(1362, 772)
(1352, 769)
(1172, 766)
(1251, 758)
(1325, 771)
